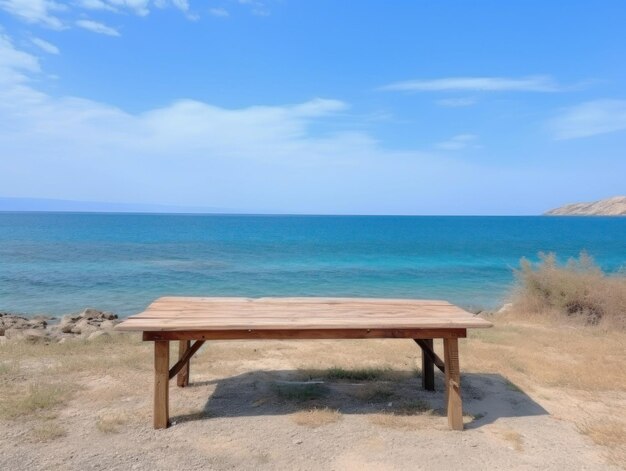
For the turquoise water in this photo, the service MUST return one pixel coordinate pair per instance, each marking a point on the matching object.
(57, 263)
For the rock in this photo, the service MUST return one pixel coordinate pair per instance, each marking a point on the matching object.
(66, 325)
(107, 325)
(35, 336)
(83, 327)
(84, 324)
(14, 333)
(11, 321)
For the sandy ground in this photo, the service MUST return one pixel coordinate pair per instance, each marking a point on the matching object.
(248, 409)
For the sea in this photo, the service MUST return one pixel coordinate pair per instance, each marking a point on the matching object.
(58, 263)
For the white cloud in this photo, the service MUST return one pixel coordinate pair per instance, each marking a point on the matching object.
(96, 5)
(35, 11)
(457, 102)
(274, 156)
(182, 5)
(589, 119)
(96, 27)
(45, 46)
(14, 64)
(540, 83)
(280, 157)
(220, 12)
(60, 15)
(458, 142)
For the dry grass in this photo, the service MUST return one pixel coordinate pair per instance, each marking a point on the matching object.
(406, 422)
(358, 374)
(548, 354)
(316, 417)
(578, 290)
(48, 431)
(111, 422)
(300, 392)
(566, 332)
(373, 392)
(37, 399)
(610, 434)
(514, 438)
(551, 357)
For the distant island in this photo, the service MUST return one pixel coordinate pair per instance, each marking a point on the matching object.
(615, 206)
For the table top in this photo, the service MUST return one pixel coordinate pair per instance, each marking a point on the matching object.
(313, 313)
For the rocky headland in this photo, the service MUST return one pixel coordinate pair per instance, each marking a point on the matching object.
(615, 206)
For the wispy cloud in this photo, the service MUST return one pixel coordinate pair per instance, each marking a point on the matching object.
(233, 154)
(41, 12)
(458, 142)
(139, 7)
(538, 83)
(45, 46)
(219, 12)
(589, 119)
(61, 15)
(97, 27)
(457, 102)
(15, 64)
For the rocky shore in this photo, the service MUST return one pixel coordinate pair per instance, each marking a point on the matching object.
(89, 324)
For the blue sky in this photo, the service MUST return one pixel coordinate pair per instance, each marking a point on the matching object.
(401, 107)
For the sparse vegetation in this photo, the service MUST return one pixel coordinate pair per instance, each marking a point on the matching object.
(300, 391)
(514, 438)
(373, 392)
(110, 423)
(610, 434)
(316, 417)
(578, 290)
(414, 407)
(359, 374)
(38, 398)
(48, 431)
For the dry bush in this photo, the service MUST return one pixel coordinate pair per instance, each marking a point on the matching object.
(577, 290)
(48, 431)
(110, 423)
(316, 417)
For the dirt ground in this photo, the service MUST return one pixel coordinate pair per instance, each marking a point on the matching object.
(534, 396)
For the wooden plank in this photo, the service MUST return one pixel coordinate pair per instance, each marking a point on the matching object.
(182, 324)
(453, 383)
(286, 334)
(299, 300)
(161, 383)
(222, 314)
(428, 365)
(430, 352)
(186, 357)
(182, 380)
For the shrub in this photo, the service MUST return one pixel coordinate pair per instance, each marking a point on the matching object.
(578, 289)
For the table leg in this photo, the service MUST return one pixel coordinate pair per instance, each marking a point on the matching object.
(161, 383)
(428, 368)
(182, 379)
(453, 383)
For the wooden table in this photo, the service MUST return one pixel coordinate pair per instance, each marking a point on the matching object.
(185, 319)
